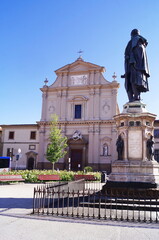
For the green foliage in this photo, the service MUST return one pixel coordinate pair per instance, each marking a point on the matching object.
(66, 176)
(58, 143)
(31, 176)
(88, 169)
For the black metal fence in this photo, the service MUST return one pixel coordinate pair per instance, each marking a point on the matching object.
(113, 204)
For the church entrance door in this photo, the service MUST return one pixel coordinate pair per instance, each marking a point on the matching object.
(30, 163)
(76, 159)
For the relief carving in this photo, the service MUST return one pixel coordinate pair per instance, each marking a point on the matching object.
(51, 108)
(106, 107)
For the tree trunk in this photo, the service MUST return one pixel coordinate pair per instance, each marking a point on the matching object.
(53, 166)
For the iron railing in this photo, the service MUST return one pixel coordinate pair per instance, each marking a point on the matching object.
(113, 204)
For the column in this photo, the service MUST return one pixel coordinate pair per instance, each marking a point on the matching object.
(97, 77)
(96, 103)
(84, 158)
(113, 151)
(96, 147)
(44, 104)
(65, 80)
(63, 105)
(91, 104)
(91, 77)
(144, 144)
(125, 138)
(59, 94)
(41, 145)
(60, 80)
(90, 145)
(113, 101)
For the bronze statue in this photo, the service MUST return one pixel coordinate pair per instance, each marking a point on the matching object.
(120, 147)
(150, 148)
(136, 66)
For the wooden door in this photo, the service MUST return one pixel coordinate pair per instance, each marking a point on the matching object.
(76, 159)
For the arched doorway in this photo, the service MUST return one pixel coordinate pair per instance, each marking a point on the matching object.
(31, 163)
(31, 160)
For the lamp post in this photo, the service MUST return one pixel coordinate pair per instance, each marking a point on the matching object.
(18, 155)
(10, 155)
(69, 164)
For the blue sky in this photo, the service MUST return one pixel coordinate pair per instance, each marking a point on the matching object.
(40, 36)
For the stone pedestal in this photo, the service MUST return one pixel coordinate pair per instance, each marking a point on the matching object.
(135, 125)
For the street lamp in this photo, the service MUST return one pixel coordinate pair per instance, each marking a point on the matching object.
(18, 155)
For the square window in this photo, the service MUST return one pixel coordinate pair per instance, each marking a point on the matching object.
(32, 147)
(138, 123)
(78, 111)
(33, 135)
(131, 123)
(11, 135)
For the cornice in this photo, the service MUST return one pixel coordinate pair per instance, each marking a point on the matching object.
(145, 115)
(109, 85)
(18, 125)
(83, 122)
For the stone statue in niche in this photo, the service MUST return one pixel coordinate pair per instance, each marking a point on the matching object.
(105, 150)
(120, 147)
(150, 148)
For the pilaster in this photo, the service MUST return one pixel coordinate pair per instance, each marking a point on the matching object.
(44, 104)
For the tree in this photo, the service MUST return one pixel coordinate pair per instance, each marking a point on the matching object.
(58, 143)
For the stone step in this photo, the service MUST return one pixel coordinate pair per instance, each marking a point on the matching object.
(121, 206)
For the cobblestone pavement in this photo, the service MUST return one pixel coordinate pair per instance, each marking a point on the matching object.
(17, 222)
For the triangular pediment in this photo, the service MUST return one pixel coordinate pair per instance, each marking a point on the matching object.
(79, 66)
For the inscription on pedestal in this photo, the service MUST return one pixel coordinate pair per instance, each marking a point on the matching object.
(135, 144)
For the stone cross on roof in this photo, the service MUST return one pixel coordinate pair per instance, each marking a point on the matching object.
(80, 55)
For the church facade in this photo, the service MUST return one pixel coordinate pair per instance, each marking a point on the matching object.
(86, 104)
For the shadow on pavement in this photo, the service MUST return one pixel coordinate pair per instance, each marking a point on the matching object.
(26, 203)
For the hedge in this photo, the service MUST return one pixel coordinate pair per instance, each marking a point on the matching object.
(31, 176)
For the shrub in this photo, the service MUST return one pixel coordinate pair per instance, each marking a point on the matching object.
(31, 176)
(88, 169)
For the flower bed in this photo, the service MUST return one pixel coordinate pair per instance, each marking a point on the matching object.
(32, 175)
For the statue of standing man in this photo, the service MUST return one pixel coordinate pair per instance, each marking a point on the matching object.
(120, 147)
(136, 66)
(150, 148)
